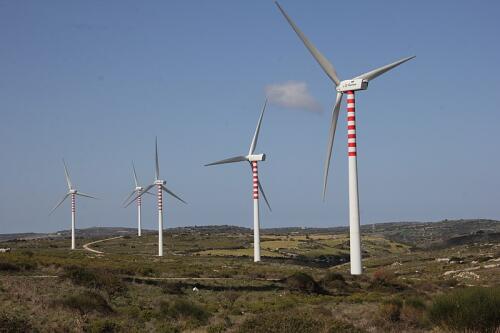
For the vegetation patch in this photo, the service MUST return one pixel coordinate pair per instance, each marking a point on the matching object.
(13, 323)
(95, 278)
(304, 283)
(184, 310)
(475, 309)
(86, 302)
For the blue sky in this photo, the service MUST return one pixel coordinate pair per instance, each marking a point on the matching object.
(95, 82)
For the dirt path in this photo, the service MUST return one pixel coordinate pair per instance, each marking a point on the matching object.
(87, 246)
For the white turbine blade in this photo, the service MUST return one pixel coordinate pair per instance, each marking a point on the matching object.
(68, 180)
(157, 164)
(331, 136)
(59, 203)
(135, 175)
(253, 145)
(86, 195)
(381, 70)
(140, 194)
(229, 160)
(172, 194)
(322, 61)
(128, 197)
(264, 196)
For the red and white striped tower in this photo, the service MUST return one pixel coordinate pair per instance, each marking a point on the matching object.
(256, 224)
(160, 220)
(73, 219)
(354, 235)
(139, 204)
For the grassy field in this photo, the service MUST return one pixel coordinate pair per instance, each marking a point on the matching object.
(302, 284)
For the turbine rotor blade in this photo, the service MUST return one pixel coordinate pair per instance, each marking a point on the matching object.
(253, 145)
(381, 70)
(264, 196)
(157, 164)
(59, 203)
(86, 195)
(66, 173)
(172, 193)
(229, 160)
(135, 175)
(128, 197)
(322, 61)
(139, 194)
(331, 136)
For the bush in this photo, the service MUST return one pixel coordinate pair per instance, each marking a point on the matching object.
(85, 302)
(10, 323)
(97, 279)
(304, 283)
(9, 267)
(334, 280)
(281, 322)
(475, 308)
(102, 326)
(390, 310)
(172, 288)
(183, 309)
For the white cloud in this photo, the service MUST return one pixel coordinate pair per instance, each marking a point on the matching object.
(293, 95)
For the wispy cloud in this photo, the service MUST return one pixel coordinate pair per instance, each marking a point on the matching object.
(293, 95)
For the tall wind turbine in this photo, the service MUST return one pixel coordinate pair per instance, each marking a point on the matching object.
(160, 185)
(253, 158)
(137, 190)
(72, 192)
(345, 87)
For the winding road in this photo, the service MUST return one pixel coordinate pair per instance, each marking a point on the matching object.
(87, 246)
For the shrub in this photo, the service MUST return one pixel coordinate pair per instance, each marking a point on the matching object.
(85, 302)
(475, 308)
(343, 327)
(281, 322)
(304, 283)
(334, 280)
(172, 288)
(10, 323)
(102, 326)
(183, 309)
(98, 279)
(390, 310)
(9, 267)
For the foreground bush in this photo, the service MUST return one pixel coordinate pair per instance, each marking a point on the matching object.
(293, 322)
(97, 279)
(183, 309)
(474, 308)
(10, 323)
(304, 283)
(85, 302)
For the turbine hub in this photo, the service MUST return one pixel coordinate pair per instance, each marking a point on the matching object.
(352, 85)
(258, 157)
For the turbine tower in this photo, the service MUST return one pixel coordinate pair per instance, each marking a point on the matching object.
(253, 158)
(160, 185)
(345, 87)
(72, 192)
(137, 190)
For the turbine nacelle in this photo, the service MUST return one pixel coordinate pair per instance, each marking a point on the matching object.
(72, 191)
(138, 188)
(352, 85)
(256, 157)
(160, 182)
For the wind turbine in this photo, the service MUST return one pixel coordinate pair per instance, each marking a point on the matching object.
(253, 158)
(137, 190)
(345, 87)
(72, 192)
(160, 185)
